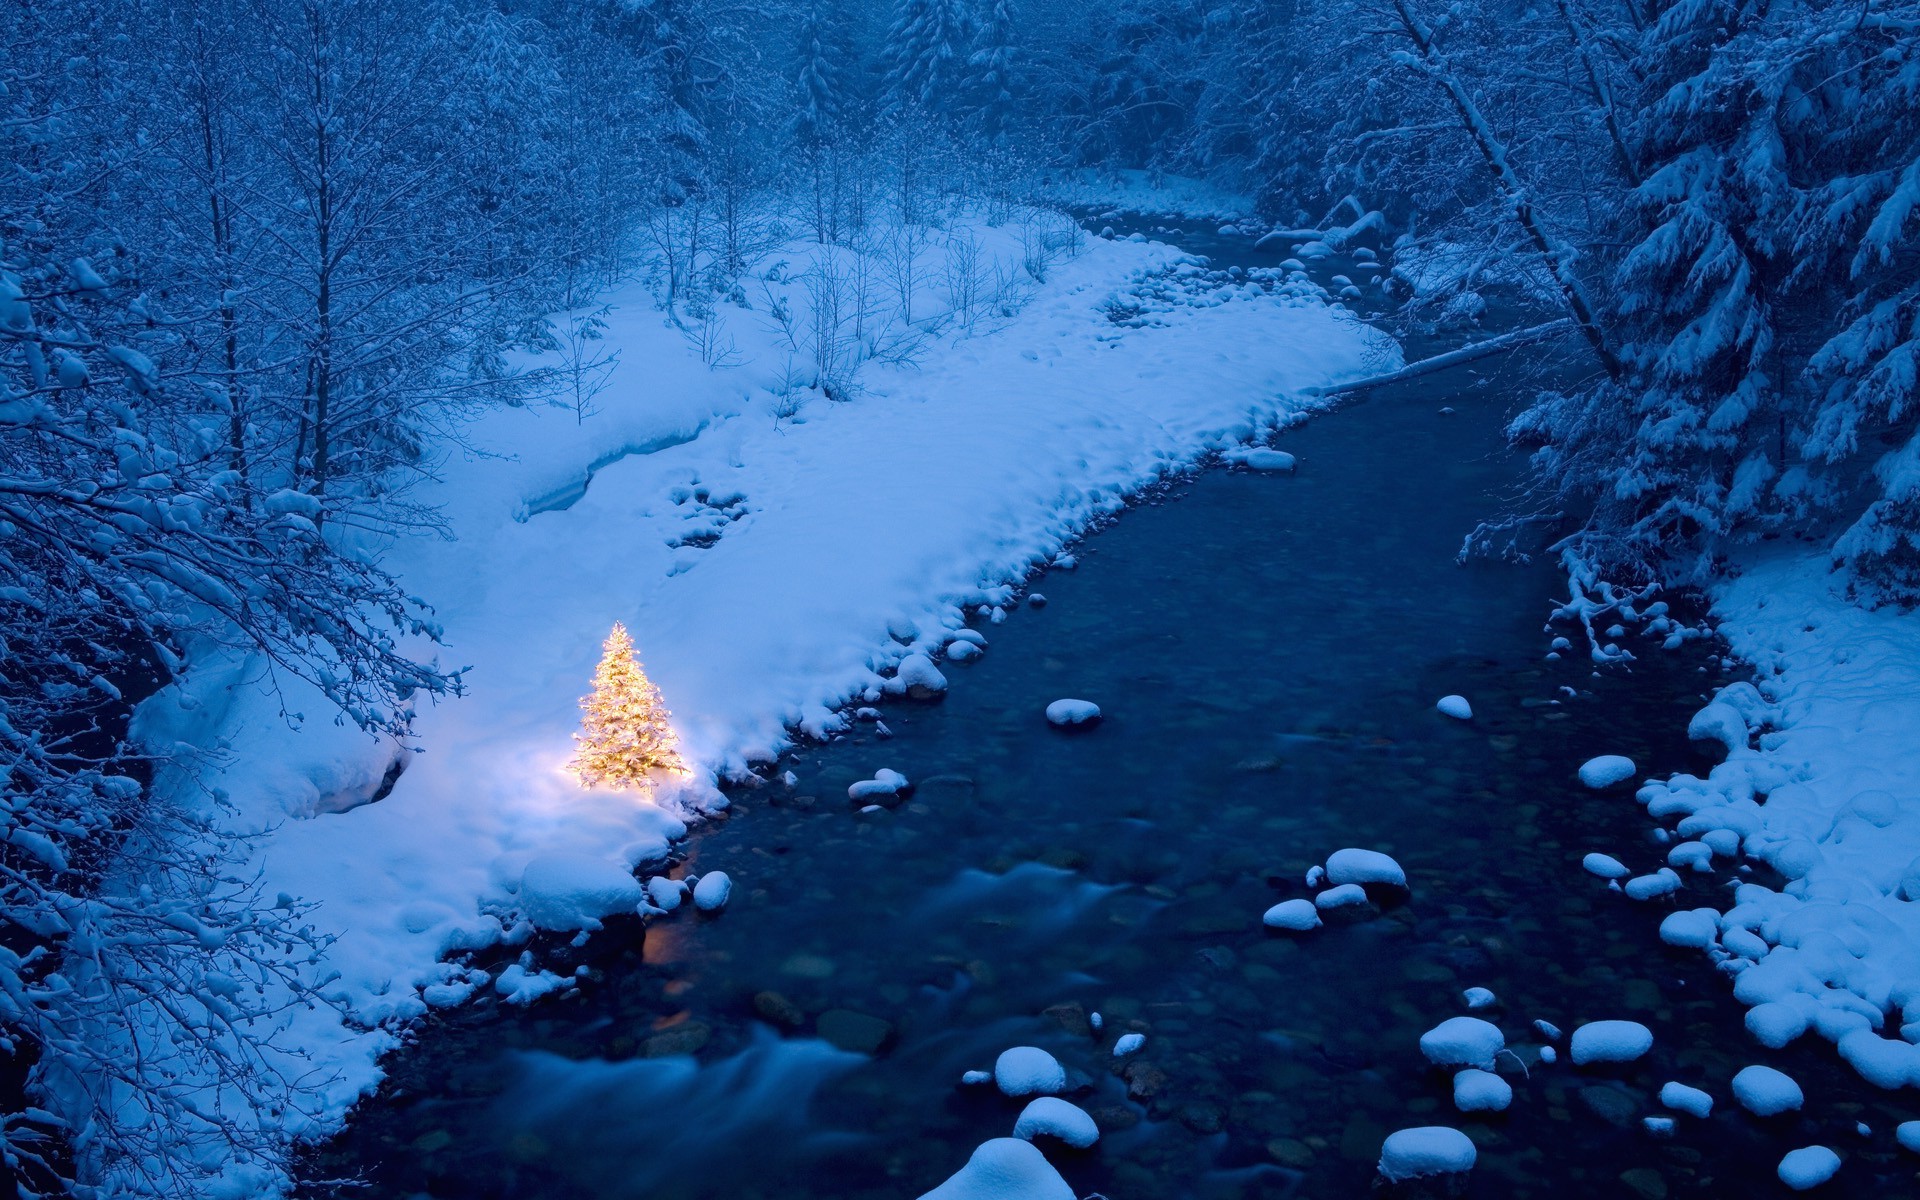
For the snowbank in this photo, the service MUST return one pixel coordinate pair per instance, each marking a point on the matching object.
(1820, 782)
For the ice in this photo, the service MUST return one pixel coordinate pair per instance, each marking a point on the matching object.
(1605, 866)
(1073, 713)
(1808, 1167)
(1128, 1043)
(1426, 1150)
(1766, 1092)
(1610, 1042)
(1606, 770)
(1475, 1090)
(712, 892)
(1298, 915)
(1692, 928)
(1690, 1100)
(1455, 707)
(569, 891)
(1479, 997)
(1028, 1071)
(1463, 1042)
(1004, 1169)
(1054, 1117)
(1346, 895)
(1363, 867)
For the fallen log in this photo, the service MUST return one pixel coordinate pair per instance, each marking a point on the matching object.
(1453, 358)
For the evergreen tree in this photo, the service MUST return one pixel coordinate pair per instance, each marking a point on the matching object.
(995, 84)
(927, 55)
(625, 736)
(819, 84)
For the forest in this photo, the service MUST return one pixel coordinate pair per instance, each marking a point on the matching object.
(262, 262)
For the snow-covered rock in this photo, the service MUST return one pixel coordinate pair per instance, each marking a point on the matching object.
(711, 893)
(1347, 895)
(1051, 1116)
(1693, 928)
(961, 651)
(1479, 997)
(1455, 707)
(1128, 1043)
(1004, 1169)
(1605, 866)
(574, 891)
(1072, 714)
(1690, 1100)
(1907, 1133)
(1426, 1150)
(1606, 770)
(1028, 1071)
(1883, 1062)
(1549, 1055)
(1610, 1042)
(885, 784)
(1766, 1092)
(1260, 458)
(666, 894)
(1463, 1042)
(1808, 1167)
(1657, 1126)
(1363, 867)
(1298, 915)
(1475, 1090)
(918, 678)
(1650, 887)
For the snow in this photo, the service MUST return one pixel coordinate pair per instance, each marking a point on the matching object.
(1651, 887)
(1907, 1133)
(1456, 707)
(1028, 1071)
(1347, 895)
(1426, 1150)
(1475, 1090)
(712, 892)
(1054, 1117)
(1816, 783)
(1766, 1092)
(1128, 1043)
(1682, 1098)
(1808, 1167)
(885, 784)
(1261, 458)
(1004, 1169)
(1692, 928)
(1463, 1042)
(997, 451)
(1298, 915)
(1606, 770)
(1073, 713)
(1479, 997)
(1610, 1042)
(573, 891)
(1605, 866)
(666, 894)
(1363, 867)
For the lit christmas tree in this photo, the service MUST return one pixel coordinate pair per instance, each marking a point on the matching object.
(625, 735)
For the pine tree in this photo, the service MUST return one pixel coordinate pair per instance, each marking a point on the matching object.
(995, 85)
(927, 52)
(625, 736)
(819, 82)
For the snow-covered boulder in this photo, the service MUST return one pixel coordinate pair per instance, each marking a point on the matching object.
(1364, 867)
(1907, 1133)
(1605, 866)
(918, 678)
(1028, 1071)
(1128, 1043)
(1260, 458)
(1693, 928)
(1073, 714)
(1455, 707)
(1606, 770)
(1690, 1100)
(712, 892)
(1426, 1150)
(666, 894)
(1664, 882)
(1463, 1042)
(1050, 1116)
(1475, 1090)
(1808, 1167)
(568, 891)
(1610, 1042)
(1479, 997)
(1297, 915)
(1347, 895)
(1720, 723)
(1765, 1092)
(1004, 1169)
(884, 786)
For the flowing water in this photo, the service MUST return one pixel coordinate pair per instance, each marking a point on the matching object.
(1267, 650)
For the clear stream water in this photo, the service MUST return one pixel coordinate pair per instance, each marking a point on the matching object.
(1267, 650)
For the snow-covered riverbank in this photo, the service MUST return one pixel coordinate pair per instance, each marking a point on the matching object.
(1821, 784)
(771, 567)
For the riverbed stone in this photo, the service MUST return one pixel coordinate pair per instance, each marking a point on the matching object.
(680, 1040)
(1144, 1080)
(945, 789)
(776, 1009)
(1290, 1152)
(1070, 1016)
(854, 1031)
